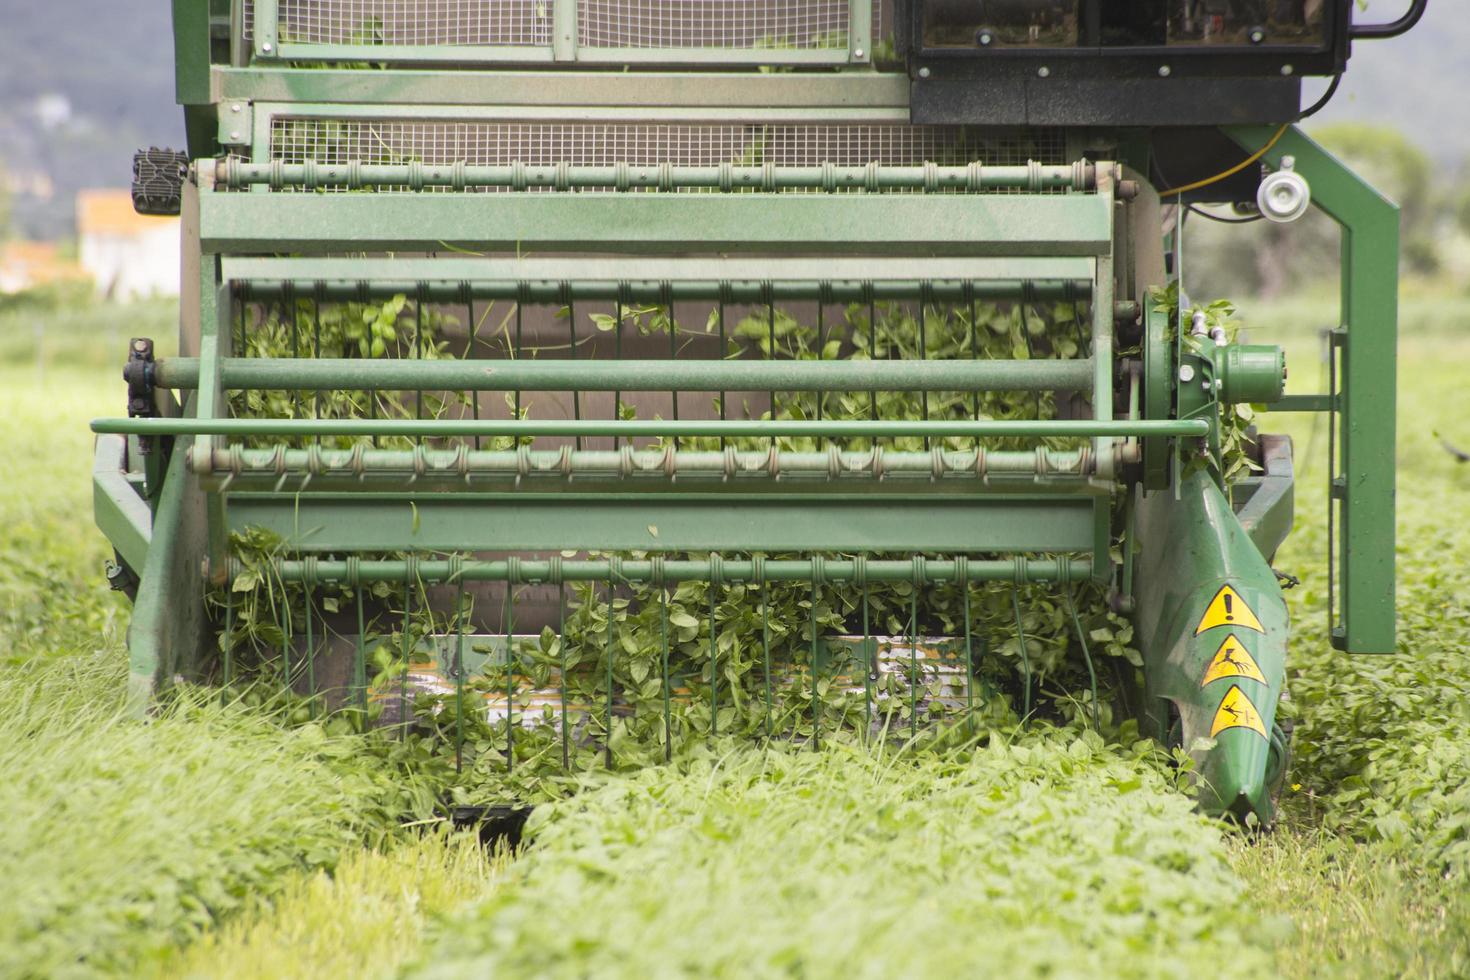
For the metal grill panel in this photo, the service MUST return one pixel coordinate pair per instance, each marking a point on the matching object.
(652, 24)
(503, 23)
(740, 24)
(296, 140)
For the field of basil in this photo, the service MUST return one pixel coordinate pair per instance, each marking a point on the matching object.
(213, 841)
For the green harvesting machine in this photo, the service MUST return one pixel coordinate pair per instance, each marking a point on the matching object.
(678, 303)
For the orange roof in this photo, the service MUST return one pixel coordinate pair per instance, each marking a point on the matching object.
(110, 211)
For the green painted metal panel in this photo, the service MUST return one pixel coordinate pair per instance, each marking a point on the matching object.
(1370, 262)
(121, 513)
(847, 95)
(345, 523)
(1192, 545)
(872, 224)
(597, 277)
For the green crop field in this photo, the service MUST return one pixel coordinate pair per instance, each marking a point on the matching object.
(215, 839)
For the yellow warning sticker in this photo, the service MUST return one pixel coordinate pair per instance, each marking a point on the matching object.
(1228, 609)
(1233, 660)
(1236, 711)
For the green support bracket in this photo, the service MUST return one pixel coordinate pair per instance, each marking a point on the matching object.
(1363, 620)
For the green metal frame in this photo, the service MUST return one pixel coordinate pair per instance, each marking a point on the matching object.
(1364, 410)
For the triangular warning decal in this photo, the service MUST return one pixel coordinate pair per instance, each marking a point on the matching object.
(1236, 711)
(1233, 660)
(1228, 609)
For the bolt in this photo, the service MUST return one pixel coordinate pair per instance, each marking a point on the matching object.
(266, 47)
(857, 52)
(235, 135)
(1186, 373)
(1288, 70)
(1044, 71)
(923, 72)
(1257, 35)
(1165, 71)
(140, 345)
(235, 107)
(986, 39)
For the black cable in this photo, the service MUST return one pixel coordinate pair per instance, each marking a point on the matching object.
(1195, 209)
(1321, 103)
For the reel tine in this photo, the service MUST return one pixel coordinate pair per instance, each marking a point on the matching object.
(510, 672)
(572, 354)
(226, 641)
(766, 650)
(1086, 655)
(816, 670)
(310, 652)
(406, 651)
(1025, 656)
(617, 356)
(607, 717)
(469, 309)
(914, 664)
(663, 609)
(566, 754)
(714, 661)
(283, 620)
(724, 345)
(924, 356)
(461, 620)
(870, 663)
(969, 647)
(359, 653)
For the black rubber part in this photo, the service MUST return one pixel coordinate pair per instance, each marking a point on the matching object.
(158, 180)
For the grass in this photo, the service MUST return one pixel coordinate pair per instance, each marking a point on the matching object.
(209, 842)
(363, 919)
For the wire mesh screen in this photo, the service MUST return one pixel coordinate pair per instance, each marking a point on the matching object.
(653, 24)
(798, 24)
(296, 140)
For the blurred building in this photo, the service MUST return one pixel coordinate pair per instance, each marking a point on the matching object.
(128, 255)
(31, 265)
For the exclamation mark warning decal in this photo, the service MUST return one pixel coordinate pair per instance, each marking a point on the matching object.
(1228, 609)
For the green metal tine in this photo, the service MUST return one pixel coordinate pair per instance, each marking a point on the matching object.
(510, 665)
(469, 322)
(612, 586)
(724, 346)
(870, 652)
(914, 656)
(310, 649)
(974, 346)
(771, 343)
(821, 348)
(561, 632)
(520, 306)
(284, 621)
(1026, 337)
(924, 294)
(571, 306)
(663, 610)
(667, 301)
(816, 673)
(618, 356)
(406, 647)
(316, 345)
(227, 638)
(418, 352)
(359, 653)
(1086, 655)
(715, 582)
(872, 345)
(288, 302)
(1025, 656)
(765, 586)
(964, 581)
(461, 625)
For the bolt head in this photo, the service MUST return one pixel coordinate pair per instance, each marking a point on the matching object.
(1044, 72)
(1288, 70)
(1186, 373)
(235, 134)
(858, 52)
(1165, 71)
(267, 47)
(235, 107)
(924, 72)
